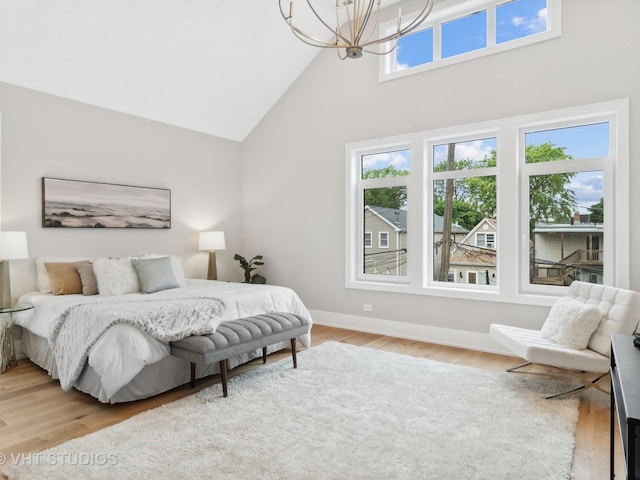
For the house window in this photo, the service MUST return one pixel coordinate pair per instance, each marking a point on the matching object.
(460, 31)
(553, 185)
(368, 240)
(383, 239)
(486, 240)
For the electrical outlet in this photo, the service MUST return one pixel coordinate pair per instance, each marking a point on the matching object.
(367, 308)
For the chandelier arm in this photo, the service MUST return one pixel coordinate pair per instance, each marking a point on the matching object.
(350, 25)
(372, 32)
(314, 42)
(332, 30)
(365, 17)
(426, 10)
(305, 37)
(381, 53)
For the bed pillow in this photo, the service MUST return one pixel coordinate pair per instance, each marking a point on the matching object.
(115, 276)
(64, 277)
(154, 274)
(176, 266)
(571, 323)
(42, 277)
(87, 277)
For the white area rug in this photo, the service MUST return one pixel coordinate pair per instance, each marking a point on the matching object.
(346, 413)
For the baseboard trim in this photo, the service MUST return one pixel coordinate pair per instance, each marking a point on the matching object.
(410, 331)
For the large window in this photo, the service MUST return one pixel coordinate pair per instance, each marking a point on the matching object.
(552, 187)
(464, 207)
(382, 194)
(460, 31)
(565, 170)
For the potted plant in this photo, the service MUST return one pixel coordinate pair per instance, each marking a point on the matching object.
(249, 267)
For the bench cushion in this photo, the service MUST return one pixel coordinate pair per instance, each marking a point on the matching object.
(240, 336)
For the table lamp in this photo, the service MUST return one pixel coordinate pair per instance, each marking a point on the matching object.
(13, 246)
(212, 241)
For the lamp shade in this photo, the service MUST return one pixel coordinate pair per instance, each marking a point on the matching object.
(13, 245)
(211, 241)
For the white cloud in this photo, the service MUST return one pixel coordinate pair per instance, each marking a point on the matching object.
(535, 24)
(475, 150)
(401, 160)
(588, 187)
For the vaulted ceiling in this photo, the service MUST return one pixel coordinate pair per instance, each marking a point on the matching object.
(214, 66)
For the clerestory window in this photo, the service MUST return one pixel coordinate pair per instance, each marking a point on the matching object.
(460, 31)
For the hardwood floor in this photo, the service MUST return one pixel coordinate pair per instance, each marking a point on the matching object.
(36, 414)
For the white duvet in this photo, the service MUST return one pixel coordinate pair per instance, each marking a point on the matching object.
(122, 351)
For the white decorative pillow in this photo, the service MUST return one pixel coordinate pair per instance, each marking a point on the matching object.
(115, 276)
(571, 323)
(42, 276)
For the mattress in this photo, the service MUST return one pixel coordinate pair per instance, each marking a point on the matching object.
(127, 364)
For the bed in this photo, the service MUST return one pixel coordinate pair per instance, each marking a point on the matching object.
(122, 362)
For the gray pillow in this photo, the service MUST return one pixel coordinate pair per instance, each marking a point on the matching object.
(154, 274)
(87, 277)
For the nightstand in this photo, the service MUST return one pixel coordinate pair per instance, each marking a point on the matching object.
(7, 346)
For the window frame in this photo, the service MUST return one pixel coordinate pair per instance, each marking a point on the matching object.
(512, 284)
(380, 243)
(453, 10)
(356, 185)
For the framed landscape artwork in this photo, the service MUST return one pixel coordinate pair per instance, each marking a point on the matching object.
(79, 204)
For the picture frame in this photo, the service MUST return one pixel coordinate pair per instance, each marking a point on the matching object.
(85, 204)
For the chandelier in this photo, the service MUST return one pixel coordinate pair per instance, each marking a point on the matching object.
(356, 26)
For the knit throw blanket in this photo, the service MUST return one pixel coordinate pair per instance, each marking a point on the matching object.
(79, 327)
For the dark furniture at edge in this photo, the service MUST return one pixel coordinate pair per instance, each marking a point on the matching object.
(625, 402)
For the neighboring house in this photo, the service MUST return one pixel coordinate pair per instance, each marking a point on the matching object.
(561, 253)
(473, 259)
(385, 239)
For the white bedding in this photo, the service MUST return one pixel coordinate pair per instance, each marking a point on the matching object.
(123, 351)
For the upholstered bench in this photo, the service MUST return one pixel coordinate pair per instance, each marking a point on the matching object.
(237, 337)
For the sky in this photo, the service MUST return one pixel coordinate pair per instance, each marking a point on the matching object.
(515, 19)
(580, 142)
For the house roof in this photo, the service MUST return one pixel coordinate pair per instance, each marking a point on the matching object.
(398, 219)
(215, 67)
(395, 217)
(568, 228)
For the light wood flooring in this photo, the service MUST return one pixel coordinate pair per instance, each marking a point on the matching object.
(36, 414)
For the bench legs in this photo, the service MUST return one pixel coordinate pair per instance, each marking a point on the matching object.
(224, 365)
(223, 375)
(193, 374)
(293, 352)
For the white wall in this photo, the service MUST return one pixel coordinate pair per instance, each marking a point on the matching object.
(281, 193)
(44, 135)
(293, 170)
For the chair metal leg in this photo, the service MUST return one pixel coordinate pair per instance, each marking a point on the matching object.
(582, 376)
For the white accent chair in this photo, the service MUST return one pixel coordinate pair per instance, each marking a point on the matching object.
(620, 310)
